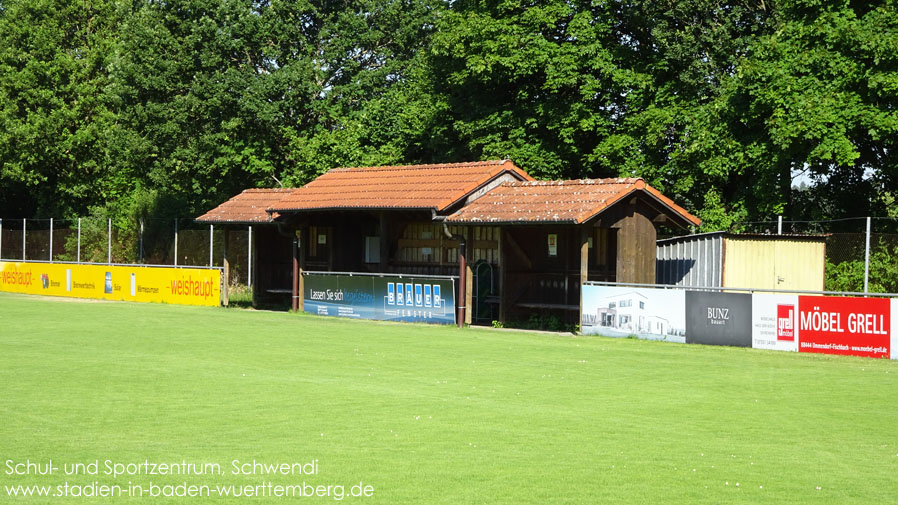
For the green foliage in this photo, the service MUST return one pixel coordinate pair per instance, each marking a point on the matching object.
(717, 104)
(882, 276)
(54, 106)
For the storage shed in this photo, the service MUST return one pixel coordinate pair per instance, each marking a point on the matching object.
(721, 259)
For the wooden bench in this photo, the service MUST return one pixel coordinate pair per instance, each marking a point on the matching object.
(549, 306)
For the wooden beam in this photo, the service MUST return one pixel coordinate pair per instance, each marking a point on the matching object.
(469, 275)
(503, 307)
(303, 247)
(584, 266)
(516, 249)
(294, 299)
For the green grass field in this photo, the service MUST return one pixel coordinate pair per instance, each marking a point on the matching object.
(431, 415)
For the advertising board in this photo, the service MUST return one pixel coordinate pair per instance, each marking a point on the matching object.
(651, 314)
(845, 325)
(394, 298)
(781, 322)
(774, 323)
(133, 283)
(714, 318)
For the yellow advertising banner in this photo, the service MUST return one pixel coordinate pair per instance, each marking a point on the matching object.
(131, 283)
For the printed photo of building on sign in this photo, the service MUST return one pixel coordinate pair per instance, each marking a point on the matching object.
(645, 313)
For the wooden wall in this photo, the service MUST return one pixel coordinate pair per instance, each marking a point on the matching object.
(633, 223)
(424, 248)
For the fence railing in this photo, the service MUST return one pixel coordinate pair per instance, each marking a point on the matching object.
(162, 242)
(724, 289)
(861, 252)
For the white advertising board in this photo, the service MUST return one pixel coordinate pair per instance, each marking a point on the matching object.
(774, 322)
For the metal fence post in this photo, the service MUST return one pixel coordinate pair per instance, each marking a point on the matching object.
(176, 241)
(51, 240)
(867, 257)
(78, 254)
(210, 244)
(779, 225)
(249, 258)
(140, 253)
(24, 225)
(109, 242)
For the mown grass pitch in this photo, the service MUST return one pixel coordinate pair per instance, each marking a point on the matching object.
(429, 414)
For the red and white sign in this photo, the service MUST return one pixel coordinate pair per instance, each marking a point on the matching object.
(785, 322)
(774, 322)
(842, 325)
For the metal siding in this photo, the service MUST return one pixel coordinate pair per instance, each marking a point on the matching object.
(800, 264)
(749, 263)
(674, 257)
(753, 263)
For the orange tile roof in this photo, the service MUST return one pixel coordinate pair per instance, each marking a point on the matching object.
(247, 207)
(435, 186)
(557, 201)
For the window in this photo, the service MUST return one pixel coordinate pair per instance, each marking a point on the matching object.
(612, 305)
(626, 303)
(641, 305)
(372, 249)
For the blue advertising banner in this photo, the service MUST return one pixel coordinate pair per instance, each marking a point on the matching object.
(410, 299)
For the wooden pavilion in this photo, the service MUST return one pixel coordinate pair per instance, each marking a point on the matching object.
(517, 245)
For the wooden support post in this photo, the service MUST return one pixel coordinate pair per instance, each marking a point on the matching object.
(226, 265)
(294, 300)
(502, 276)
(469, 275)
(303, 241)
(249, 257)
(584, 267)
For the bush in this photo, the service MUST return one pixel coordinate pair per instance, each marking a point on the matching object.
(849, 275)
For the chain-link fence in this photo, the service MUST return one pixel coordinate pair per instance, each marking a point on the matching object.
(181, 242)
(861, 253)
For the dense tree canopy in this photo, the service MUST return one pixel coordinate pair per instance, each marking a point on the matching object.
(129, 107)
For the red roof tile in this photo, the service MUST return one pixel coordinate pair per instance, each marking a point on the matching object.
(410, 187)
(247, 207)
(557, 201)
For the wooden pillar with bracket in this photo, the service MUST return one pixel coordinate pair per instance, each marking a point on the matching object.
(584, 266)
(503, 306)
(303, 241)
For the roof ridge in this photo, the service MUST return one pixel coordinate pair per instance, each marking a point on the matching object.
(573, 182)
(422, 166)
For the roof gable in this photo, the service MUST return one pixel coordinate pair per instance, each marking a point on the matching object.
(436, 186)
(574, 201)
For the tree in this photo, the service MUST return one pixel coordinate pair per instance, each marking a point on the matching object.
(814, 93)
(54, 106)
